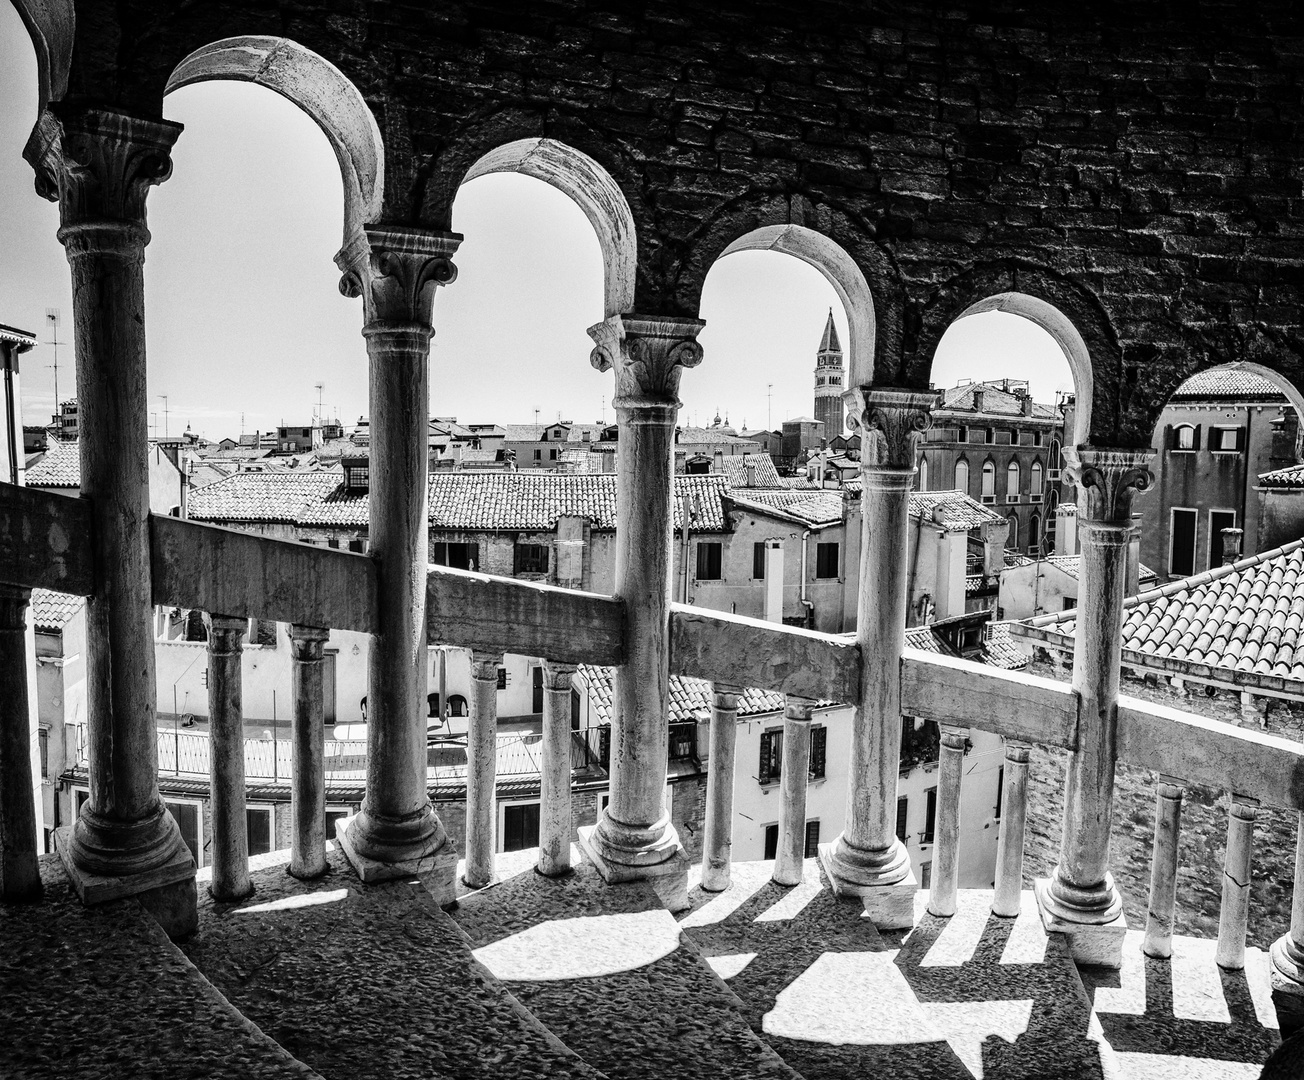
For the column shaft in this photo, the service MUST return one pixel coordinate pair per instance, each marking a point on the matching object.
(1008, 900)
(555, 823)
(868, 859)
(1288, 950)
(20, 876)
(230, 848)
(308, 753)
(791, 850)
(481, 771)
(1234, 917)
(946, 857)
(717, 843)
(1163, 869)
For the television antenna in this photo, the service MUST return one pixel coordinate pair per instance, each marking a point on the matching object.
(319, 387)
(769, 394)
(52, 322)
(165, 414)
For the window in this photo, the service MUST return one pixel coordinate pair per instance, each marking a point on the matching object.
(708, 561)
(536, 689)
(1036, 438)
(819, 741)
(258, 823)
(826, 560)
(683, 741)
(989, 482)
(502, 678)
(1012, 482)
(359, 546)
(923, 473)
(1034, 535)
(1034, 481)
(538, 456)
(1181, 542)
(334, 814)
(1012, 541)
(575, 709)
(989, 436)
(1226, 440)
(962, 476)
(930, 815)
(188, 818)
(812, 840)
(44, 736)
(458, 556)
(903, 817)
(328, 686)
(962, 434)
(758, 560)
(531, 558)
(771, 841)
(1055, 460)
(771, 755)
(552, 454)
(520, 827)
(1218, 520)
(1185, 437)
(1000, 790)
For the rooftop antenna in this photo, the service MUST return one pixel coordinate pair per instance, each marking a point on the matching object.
(603, 421)
(165, 414)
(52, 320)
(536, 416)
(769, 394)
(320, 388)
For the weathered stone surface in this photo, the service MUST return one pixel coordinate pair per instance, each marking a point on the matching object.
(101, 993)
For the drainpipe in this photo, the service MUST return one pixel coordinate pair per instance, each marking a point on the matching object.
(810, 608)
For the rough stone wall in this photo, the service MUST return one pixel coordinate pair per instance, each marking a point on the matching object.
(1139, 165)
(1203, 834)
(688, 813)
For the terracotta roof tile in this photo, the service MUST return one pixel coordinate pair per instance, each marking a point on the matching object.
(808, 507)
(689, 698)
(58, 467)
(53, 610)
(1234, 383)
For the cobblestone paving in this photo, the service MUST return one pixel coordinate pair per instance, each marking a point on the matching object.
(370, 981)
(670, 1018)
(102, 994)
(779, 934)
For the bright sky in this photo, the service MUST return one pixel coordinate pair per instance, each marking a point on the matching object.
(244, 316)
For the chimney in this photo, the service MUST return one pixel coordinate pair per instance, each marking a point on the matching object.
(1231, 542)
(1285, 439)
(608, 463)
(1066, 529)
(718, 463)
(978, 399)
(774, 581)
(995, 534)
(749, 469)
(1027, 404)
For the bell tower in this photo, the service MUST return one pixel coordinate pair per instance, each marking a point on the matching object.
(828, 381)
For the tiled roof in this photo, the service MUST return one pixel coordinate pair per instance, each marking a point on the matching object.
(1233, 383)
(59, 466)
(53, 610)
(809, 507)
(689, 698)
(1071, 564)
(1242, 622)
(998, 648)
(1290, 477)
(951, 509)
(22, 337)
(764, 472)
(263, 496)
(996, 402)
(703, 436)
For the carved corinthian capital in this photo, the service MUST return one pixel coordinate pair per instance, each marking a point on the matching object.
(891, 424)
(397, 274)
(99, 166)
(1107, 481)
(648, 355)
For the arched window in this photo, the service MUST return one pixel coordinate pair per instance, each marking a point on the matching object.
(989, 481)
(1012, 482)
(1034, 481)
(1184, 438)
(923, 473)
(1012, 541)
(1055, 463)
(1034, 535)
(962, 476)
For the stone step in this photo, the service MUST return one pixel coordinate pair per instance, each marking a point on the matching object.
(816, 979)
(369, 982)
(608, 970)
(101, 993)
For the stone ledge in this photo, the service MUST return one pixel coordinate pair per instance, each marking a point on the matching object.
(888, 907)
(1096, 944)
(95, 889)
(669, 879)
(437, 871)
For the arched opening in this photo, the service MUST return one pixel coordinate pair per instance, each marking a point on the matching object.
(989, 481)
(1012, 482)
(922, 475)
(50, 24)
(1035, 482)
(962, 476)
(1034, 535)
(1013, 539)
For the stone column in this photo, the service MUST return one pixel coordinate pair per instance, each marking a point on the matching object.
(396, 833)
(308, 753)
(634, 837)
(717, 843)
(20, 877)
(793, 777)
(1288, 951)
(1234, 916)
(867, 859)
(1163, 868)
(555, 823)
(1080, 899)
(229, 853)
(1008, 900)
(946, 849)
(100, 166)
(481, 770)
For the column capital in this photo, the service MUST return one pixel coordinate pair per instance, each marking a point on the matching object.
(396, 274)
(1108, 480)
(557, 676)
(484, 665)
(953, 737)
(891, 424)
(1169, 787)
(798, 708)
(99, 166)
(648, 354)
(1017, 752)
(299, 632)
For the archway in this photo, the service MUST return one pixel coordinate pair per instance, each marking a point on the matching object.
(51, 25)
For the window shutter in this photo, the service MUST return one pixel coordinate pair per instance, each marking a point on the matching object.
(1240, 439)
(1195, 439)
(1170, 440)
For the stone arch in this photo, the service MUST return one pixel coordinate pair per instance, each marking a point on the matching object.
(593, 190)
(1066, 310)
(840, 270)
(325, 93)
(52, 26)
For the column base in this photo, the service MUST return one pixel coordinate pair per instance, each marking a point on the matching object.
(437, 869)
(1099, 944)
(167, 891)
(668, 878)
(889, 905)
(1287, 985)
